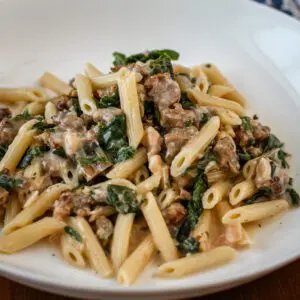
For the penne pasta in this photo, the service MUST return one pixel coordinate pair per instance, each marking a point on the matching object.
(219, 90)
(255, 212)
(130, 105)
(29, 235)
(35, 108)
(104, 81)
(85, 94)
(242, 191)
(38, 208)
(12, 95)
(159, 229)
(121, 237)
(91, 71)
(50, 111)
(52, 82)
(125, 168)
(215, 194)
(196, 263)
(18, 147)
(227, 116)
(93, 250)
(202, 99)
(149, 184)
(140, 175)
(136, 262)
(195, 148)
(13, 207)
(249, 169)
(166, 197)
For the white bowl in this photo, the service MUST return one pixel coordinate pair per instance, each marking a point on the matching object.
(256, 47)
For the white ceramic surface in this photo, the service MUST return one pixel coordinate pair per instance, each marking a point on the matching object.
(256, 47)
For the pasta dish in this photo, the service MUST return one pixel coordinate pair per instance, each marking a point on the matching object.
(150, 159)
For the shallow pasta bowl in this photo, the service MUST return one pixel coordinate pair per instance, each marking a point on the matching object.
(256, 47)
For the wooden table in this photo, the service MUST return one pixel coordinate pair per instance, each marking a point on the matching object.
(283, 284)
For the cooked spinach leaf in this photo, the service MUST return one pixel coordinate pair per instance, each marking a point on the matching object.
(161, 65)
(244, 156)
(121, 59)
(42, 126)
(185, 101)
(188, 123)
(189, 245)
(295, 198)
(10, 182)
(91, 154)
(125, 153)
(30, 154)
(282, 157)
(122, 198)
(272, 143)
(205, 160)
(263, 192)
(3, 149)
(85, 161)
(246, 123)
(23, 116)
(73, 233)
(76, 106)
(109, 101)
(60, 152)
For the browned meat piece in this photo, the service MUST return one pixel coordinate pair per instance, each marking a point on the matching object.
(263, 173)
(104, 228)
(87, 120)
(141, 68)
(174, 214)
(62, 102)
(53, 139)
(152, 141)
(53, 165)
(227, 156)
(68, 120)
(63, 206)
(7, 132)
(177, 117)
(3, 196)
(279, 181)
(184, 194)
(163, 90)
(107, 91)
(99, 195)
(82, 204)
(176, 138)
(254, 151)
(259, 131)
(106, 114)
(4, 113)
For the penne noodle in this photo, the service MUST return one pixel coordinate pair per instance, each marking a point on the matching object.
(91, 71)
(93, 249)
(104, 81)
(249, 169)
(227, 116)
(125, 168)
(255, 212)
(140, 175)
(201, 78)
(202, 230)
(52, 82)
(215, 194)
(242, 191)
(136, 262)
(202, 99)
(50, 111)
(12, 95)
(159, 229)
(18, 147)
(35, 108)
(130, 105)
(121, 237)
(85, 94)
(195, 147)
(219, 90)
(13, 207)
(37, 209)
(29, 235)
(196, 263)
(149, 184)
(166, 197)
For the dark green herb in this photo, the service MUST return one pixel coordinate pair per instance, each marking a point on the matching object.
(125, 153)
(30, 154)
(185, 101)
(122, 198)
(42, 126)
(263, 192)
(121, 59)
(73, 233)
(208, 65)
(76, 106)
(272, 143)
(243, 156)
(189, 245)
(109, 101)
(161, 65)
(195, 207)
(3, 149)
(23, 116)
(10, 182)
(282, 157)
(85, 161)
(91, 154)
(295, 198)
(246, 124)
(60, 152)
(204, 118)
